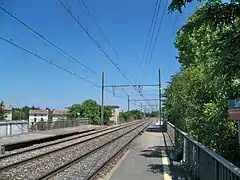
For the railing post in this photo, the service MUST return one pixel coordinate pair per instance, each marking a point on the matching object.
(187, 154)
(10, 128)
(216, 170)
(2, 149)
(184, 149)
(6, 133)
(22, 127)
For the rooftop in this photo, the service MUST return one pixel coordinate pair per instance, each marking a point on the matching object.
(60, 112)
(38, 111)
(113, 106)
(7, 107)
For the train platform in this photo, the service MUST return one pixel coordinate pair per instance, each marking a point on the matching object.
(9, 141)
(148, 158)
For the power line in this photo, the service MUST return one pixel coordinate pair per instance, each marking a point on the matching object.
(105, 37)
(102, 32)
(99, 27)
(52, 63)
(48, 61)
(175, 24)
(70, 57)
(158, 32)
(149, 32)
(91, 37)
(153, 33)
(96, 42)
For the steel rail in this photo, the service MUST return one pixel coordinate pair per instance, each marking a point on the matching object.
(98, 170)
(60, 141)
(10, 166)
(69, 164)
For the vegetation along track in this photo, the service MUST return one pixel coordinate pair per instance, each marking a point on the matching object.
(58, 155)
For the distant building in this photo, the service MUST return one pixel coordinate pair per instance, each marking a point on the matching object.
(38, 115)
(115, 115)
(60, 115)
(8, 111)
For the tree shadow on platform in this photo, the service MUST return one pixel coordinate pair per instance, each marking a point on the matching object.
(158, 129)
(155, 168)
(176, 170)
(153, 152)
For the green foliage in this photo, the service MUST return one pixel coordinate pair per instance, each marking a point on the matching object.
(2, 111)
(131, 115)
(153, 114)
(107, 114)
(210, 75)
(90, 109)
(74, 110)
(178, 5)
(22, 113)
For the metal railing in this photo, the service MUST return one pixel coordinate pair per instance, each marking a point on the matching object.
(49, 125)
(201, 162)
(9, 128)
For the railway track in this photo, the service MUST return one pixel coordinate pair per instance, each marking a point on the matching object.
(89, 166)
(46, 161)
(54, 142)
(27, 154)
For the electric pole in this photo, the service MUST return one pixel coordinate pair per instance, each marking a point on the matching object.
(102, 107)
(160, 105)
(128, 103)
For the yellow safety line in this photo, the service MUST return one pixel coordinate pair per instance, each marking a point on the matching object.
(166, 170)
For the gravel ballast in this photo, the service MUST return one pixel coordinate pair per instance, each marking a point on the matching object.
(49, 163)
(89, 165)
(25, 155)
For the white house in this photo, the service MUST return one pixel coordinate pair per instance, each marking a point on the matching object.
(60, 115)
(115, 114)
(8, 111)
(38, 115)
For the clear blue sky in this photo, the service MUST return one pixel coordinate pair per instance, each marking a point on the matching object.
(26, 80)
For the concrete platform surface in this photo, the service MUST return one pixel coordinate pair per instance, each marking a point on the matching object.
(44, 134)
(147, 159)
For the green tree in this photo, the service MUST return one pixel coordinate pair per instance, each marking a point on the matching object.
(209, 54)
(18, 114)
(91, 110)
(108, 112)
(2, 111)
(154, 114)
(22, 113)
(131, 115)
(88, 109)
(74, 110)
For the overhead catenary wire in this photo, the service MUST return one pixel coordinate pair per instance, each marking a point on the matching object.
(52, 63)
(47, 60)
(175, 24)
(153, 33)
(91, 37)
(102, 32)
(149, 31)
(67, 55)
(158, 33)
(97, 43)
(99, 27)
